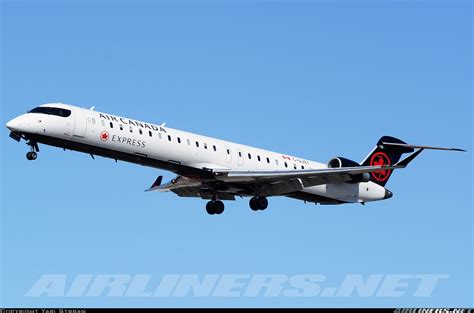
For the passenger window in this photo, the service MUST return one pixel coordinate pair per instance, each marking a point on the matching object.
(169, 138)
(150, 133)
(268, 160)
(286, 164)
(140, 131)
(240, 154)
(302, 167)
(179, 140)
(197, 144)
(131, 129)
(276, 162)
(228, 151)
(294, 166)
(205, 146)
(214, 147)
(111, 125)
(258, 158)
(121, 126)
(250, 156)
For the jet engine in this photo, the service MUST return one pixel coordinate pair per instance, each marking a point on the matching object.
(339, 162)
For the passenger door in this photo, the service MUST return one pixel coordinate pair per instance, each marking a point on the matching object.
(80, 123)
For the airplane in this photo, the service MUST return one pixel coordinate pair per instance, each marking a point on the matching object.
(210, 168)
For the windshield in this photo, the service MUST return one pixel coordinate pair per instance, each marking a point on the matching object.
(51, 111)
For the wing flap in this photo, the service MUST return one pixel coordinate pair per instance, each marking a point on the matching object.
(282, 187)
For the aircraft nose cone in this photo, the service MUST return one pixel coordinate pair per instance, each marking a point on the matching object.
(13, 124)
(388, 194)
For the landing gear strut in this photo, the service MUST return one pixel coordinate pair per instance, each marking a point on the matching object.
(258, 203)
(215, 207)
(32, 155)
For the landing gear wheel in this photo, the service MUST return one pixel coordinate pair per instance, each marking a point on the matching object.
(258, 203)
(253, 204)
(210, 208)
(219, 206)
(215, 207)
(31, 156)
(262, 203)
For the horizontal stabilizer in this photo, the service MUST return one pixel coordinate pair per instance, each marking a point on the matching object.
(421, 147)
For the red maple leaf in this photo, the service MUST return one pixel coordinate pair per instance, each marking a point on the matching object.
(379, 161)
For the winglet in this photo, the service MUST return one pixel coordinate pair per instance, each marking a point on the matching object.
(157, 183)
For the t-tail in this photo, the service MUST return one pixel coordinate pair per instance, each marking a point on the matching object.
(389, 151)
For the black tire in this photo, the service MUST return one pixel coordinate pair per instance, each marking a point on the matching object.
(210, 208)
(262, 203)
(31, 156)
(219, 207)
(253, 204)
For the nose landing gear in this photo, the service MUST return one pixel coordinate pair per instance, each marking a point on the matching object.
(32, 155)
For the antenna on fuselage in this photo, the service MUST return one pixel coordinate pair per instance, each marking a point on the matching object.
(163, 124)
(92, 108)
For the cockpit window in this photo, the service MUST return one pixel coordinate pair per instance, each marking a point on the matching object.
(52, 111)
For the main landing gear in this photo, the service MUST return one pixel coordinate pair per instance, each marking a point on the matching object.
(32, 155)
(258, 203)
(215, 207)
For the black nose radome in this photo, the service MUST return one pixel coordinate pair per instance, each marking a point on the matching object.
(388, 194)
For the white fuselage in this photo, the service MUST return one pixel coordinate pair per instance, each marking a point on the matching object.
(106, 131)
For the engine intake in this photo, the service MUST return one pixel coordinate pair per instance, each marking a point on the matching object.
(339, 162)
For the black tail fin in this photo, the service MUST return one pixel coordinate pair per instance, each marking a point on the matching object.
(385, 155)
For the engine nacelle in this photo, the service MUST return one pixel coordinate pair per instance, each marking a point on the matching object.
(339, 162)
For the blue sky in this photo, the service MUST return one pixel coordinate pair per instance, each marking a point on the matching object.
(312, 78)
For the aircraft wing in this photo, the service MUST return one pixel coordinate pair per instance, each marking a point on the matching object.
(192, 187)
(271, 183)
(229, 184)
(339, 174)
